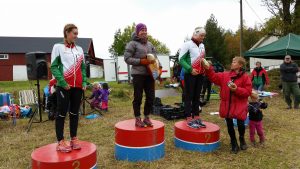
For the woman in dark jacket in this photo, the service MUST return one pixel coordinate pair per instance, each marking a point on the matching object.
(136, 55)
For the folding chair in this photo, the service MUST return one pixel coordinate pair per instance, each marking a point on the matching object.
(82, 108)
(29, 97)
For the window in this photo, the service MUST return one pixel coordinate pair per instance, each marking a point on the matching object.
(3, 56)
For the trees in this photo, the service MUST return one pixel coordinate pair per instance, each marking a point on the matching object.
(273, 26)
(286, 13)
(232, 41)
(251, 36)
(296, 21)
(122, 38)
(214, 42)
(223, 46)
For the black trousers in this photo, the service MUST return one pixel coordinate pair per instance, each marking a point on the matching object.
(182, 95)
(143, 83)
(192, 88)
(230, 128)
(67, 101)
(206, 88)
(52, 105)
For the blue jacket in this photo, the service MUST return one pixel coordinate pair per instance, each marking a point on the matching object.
(182, 74)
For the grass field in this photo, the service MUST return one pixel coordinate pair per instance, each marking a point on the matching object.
(282, 129)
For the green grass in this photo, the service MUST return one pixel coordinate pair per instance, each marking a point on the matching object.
(281, 126)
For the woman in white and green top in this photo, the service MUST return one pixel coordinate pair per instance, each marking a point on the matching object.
(68, 68)
(190, 56)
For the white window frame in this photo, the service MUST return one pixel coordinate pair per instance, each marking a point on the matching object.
(5, 56)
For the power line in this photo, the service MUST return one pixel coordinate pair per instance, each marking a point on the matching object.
(254, 12)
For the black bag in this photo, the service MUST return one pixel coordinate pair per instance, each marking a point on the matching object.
(157, 105)
(171, 113)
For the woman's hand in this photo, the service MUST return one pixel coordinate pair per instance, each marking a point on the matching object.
(233, 87)
(205, 64)
(84, 88)
(146, 61)
(67, 87)
(194, 72)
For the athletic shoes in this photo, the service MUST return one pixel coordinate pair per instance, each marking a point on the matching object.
(192, 124)
(75, 143)
(139, 123)
(148, 122)
(63, 146)
(200, 123)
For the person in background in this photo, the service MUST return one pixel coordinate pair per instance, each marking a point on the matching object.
(69, 69)
(259, 77)
(298, 75)
(235, 88)
(136, 55)
(96, 96)
(206, 89)
(288, 70)
(255, 117)
(190, 57)
(105, 91)
(52, 100)
(182, 84)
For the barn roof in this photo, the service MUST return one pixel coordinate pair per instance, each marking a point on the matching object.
(30, 44)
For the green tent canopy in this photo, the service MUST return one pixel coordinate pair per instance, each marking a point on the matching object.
(287, 45)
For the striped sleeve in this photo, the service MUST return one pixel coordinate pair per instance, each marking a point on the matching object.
(56, 66)
(83, 70)
(184, 58)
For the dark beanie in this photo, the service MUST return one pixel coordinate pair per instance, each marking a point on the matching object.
(139, 27)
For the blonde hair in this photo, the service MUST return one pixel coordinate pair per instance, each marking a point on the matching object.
(240, 60)
(68, 28)
(96, 85)
(254, 95)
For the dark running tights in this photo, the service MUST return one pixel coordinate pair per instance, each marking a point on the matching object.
(67, 101)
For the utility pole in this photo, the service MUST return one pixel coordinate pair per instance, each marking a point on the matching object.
(241, 23)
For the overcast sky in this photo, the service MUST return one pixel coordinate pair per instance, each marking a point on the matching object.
(170, 21)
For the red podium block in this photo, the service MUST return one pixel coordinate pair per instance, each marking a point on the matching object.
(47, 157)
(139, 144)
(203, 139)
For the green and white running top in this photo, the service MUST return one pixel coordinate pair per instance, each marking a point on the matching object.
(190, 56)
(68, 65)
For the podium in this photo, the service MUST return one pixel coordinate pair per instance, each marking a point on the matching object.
(139, 144)
(202, 139)
(47, 157)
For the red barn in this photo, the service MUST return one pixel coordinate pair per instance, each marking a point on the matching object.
(13, 50)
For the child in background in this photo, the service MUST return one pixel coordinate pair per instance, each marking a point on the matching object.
(52, 101)
(255, 117)
(104, 96)
(96, 96)
(182, 84)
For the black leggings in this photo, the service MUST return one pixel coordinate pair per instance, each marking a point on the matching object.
(67, 101)
(192, 89)
(230, 128)
(143, 83)
(206, 88)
